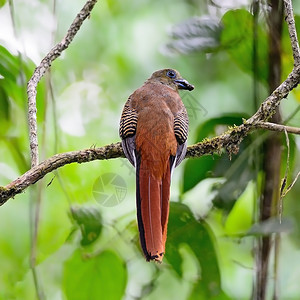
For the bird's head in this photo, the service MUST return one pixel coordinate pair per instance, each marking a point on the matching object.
(171, 78)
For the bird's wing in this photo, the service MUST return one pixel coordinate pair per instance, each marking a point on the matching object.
(181, 129)
(127, 131)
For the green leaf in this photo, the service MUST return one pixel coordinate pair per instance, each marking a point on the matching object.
(90, 223)
(183, 228)
(239, 173)
(9, 64)
(2, 2)
(195, 170)
(4, 111)
(240, 218)
(237, 39)
(100, 277)
(15, 74)
(15, 146)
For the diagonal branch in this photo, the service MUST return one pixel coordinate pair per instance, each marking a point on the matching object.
(40, 71)
(268, 107)
(38, 172)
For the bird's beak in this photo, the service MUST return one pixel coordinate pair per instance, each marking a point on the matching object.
(183, 84)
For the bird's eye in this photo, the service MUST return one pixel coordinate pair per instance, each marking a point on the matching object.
(171, 74)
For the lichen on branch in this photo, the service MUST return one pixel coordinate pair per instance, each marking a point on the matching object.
(230, 140)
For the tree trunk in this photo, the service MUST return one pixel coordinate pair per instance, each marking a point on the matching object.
(272, 152)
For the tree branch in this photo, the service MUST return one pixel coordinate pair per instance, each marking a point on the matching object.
(40, 71)
(229, 140)
(38, 172)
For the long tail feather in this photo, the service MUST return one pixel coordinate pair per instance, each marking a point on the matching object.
(166, 183)
(152, 211)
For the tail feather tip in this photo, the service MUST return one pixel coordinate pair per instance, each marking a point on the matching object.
(157, 257)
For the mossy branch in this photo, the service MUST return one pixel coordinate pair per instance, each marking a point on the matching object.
(230, 140)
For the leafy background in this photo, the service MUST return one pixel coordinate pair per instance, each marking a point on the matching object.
(86, 249)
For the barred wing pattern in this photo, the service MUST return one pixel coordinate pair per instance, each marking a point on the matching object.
(128, 124)
(127, 131)
(181, 129)
(181, 126)
(128, 121)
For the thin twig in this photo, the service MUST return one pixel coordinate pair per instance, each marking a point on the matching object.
(284, 180)
(291, 185)
(277, 127)
(32, 119)
(277, 239)
(283, 189)
(40, 71)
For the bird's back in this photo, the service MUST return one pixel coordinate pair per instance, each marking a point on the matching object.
(155, 137)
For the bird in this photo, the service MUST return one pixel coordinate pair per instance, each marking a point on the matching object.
(154, 129)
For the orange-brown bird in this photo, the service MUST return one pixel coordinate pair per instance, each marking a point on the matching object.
(154, 129)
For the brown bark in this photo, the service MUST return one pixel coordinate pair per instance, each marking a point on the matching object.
(272, 151)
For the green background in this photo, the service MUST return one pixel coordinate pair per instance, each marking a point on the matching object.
(87, 250)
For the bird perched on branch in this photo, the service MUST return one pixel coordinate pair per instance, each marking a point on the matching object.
(154, 129)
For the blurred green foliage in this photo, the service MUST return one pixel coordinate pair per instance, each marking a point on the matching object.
(101, 276)
(85, 250)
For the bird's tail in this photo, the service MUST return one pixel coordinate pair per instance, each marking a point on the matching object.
(152, 198)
